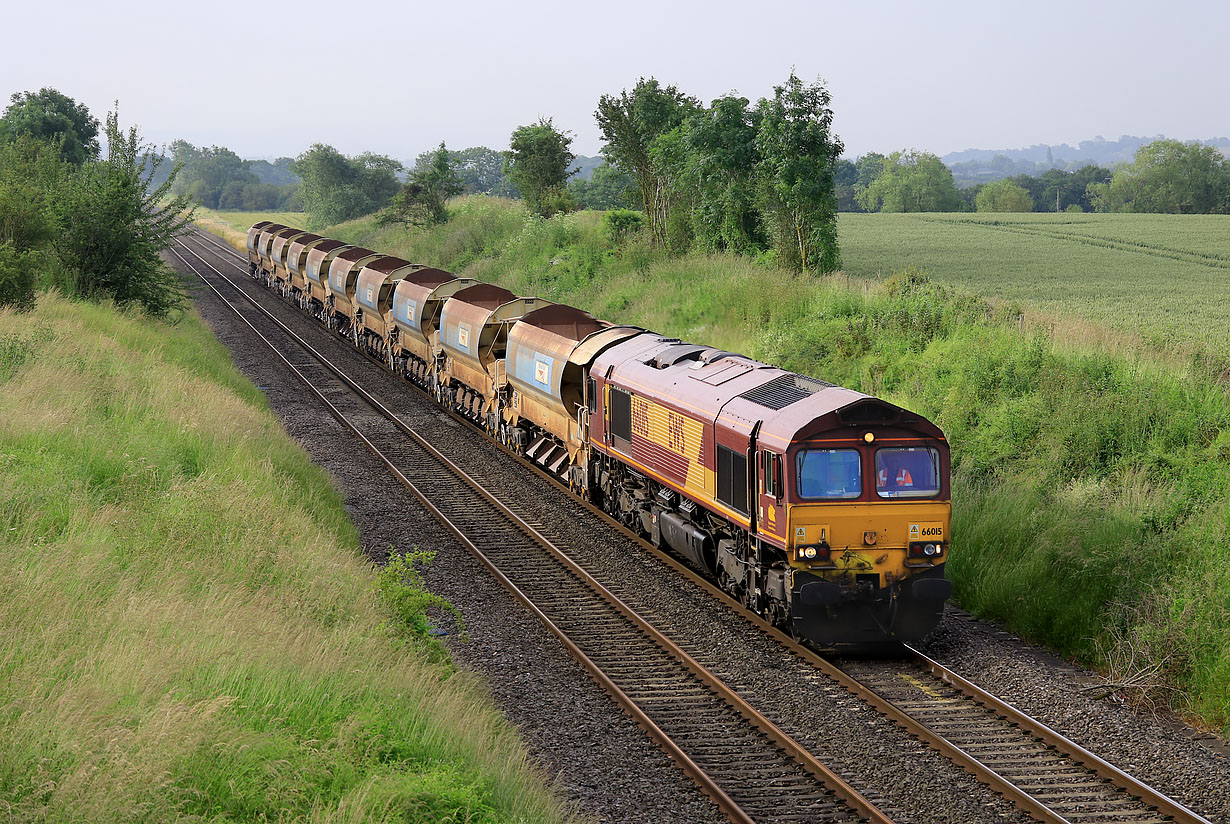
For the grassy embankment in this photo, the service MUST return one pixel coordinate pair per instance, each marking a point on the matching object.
(190, 629)
(1092, 487)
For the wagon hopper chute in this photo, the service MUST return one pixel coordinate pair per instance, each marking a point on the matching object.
(319, 260)
(253, 237)
(264, 240)
(374, 302)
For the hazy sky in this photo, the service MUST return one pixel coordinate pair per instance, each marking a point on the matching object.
(270, 78)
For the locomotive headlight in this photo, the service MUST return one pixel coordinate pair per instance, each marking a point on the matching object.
(869, 437)
(809, 552)
(929, 549)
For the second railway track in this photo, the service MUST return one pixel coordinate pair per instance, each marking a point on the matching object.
(1037, 769)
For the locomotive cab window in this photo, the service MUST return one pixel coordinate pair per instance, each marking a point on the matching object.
(771, 473)
(829, 474)
(907, 472)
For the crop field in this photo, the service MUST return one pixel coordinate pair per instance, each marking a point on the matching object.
(1165, 278)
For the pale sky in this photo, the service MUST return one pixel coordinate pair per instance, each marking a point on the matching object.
(271, 78)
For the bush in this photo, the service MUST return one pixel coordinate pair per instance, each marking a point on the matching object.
(17, 278)
(113, 230)
(619, 223)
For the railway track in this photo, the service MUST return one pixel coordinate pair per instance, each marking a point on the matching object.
(752, 769)
(1040, 771)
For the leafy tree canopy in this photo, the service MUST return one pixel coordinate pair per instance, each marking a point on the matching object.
(337, 188)
(798, 152)
(481, 170)
(608, 188)
(629, 123)
(55, 119)
(538, 161)
(113, 228)
(1169, 177)
(723, 163)
(912, 181)
(431, 182)
(1004, 196)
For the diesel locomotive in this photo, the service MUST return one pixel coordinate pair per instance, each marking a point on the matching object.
(821, 508)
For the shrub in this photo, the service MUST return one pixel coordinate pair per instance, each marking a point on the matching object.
(113, 230)
(17, 278)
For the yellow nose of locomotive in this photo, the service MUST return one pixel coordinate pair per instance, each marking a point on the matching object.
(888, 540)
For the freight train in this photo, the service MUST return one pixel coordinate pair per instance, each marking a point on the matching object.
(823, 509)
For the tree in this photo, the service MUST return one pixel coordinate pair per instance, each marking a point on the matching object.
(55, 119)
(723, 163)
(798, 152)
(537, 161)
(480, 170)
(113, 228)
(630, 122)
(211, 175)
(845, 181)
(1169, 177)
(31, 174)
(337, 188)
(912, 181)
(1003, 196)
(431, 183)
(610, 187)
(1033, 186)
(678, 195)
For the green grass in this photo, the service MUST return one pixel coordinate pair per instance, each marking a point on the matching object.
(1162, 278)
(190, 630)
(1091, 483)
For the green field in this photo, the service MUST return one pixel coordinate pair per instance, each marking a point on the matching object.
(191, 632)
(1165, 278)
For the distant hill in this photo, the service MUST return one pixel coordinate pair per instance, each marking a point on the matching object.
(585, 166)
(972, 166)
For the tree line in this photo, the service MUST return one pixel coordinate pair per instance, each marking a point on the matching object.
(1166, 176)
(86, 222)
(217, 178)
(749, 178)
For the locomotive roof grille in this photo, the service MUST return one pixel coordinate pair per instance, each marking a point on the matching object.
(784, 390)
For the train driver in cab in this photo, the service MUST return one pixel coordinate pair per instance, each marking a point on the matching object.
(907, 473)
